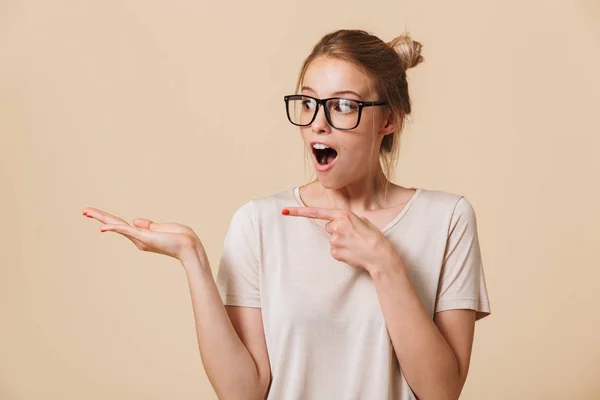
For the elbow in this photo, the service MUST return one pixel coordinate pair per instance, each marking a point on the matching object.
(456, 381)
(450, 389)
(455, 388)
(446, 395)
(261, 388)
(256, 391)
(257, 394)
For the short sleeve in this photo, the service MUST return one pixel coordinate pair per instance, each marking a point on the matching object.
(238, 274)
(462, 281)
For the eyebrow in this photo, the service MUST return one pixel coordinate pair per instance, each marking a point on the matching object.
(341, 92)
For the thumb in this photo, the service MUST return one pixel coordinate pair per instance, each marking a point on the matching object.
(368, 222)
(143, 223)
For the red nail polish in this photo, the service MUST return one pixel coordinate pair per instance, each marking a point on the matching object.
(285, 211)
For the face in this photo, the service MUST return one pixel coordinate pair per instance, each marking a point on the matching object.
(356, 150)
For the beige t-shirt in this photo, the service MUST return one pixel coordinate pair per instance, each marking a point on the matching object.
(325, 332)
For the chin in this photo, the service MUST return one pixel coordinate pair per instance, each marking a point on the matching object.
(329, 183)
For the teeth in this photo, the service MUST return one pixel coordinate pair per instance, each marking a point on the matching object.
(320, 146)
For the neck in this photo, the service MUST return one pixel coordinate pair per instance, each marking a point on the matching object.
(364, 194)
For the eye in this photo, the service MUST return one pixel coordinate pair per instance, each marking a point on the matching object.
(308, 104)
(345, 106)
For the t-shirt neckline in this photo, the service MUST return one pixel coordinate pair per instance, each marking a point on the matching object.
(384, 230)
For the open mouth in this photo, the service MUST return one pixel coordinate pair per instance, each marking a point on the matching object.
(323, 154)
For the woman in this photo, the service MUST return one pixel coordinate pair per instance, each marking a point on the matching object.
(349, 287)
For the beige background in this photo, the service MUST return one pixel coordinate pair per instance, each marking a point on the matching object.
(174, 111)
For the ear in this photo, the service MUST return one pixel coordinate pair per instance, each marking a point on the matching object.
(388, 124)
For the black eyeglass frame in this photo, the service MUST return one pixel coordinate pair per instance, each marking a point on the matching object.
(361, 105)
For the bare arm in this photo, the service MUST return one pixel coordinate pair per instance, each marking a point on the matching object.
(231, 339)
(434, 353)
(434, 356)
(233, 351)
(428, 351)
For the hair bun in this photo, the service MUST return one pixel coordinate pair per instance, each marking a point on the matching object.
(408, 49)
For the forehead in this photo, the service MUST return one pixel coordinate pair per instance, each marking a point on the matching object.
(326, 76)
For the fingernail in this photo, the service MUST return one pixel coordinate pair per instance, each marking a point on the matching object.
(285, 211)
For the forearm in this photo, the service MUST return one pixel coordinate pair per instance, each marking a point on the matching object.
(426, 359)
(228, 363)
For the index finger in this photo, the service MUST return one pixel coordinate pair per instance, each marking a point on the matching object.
(103, 216)
(313, 212)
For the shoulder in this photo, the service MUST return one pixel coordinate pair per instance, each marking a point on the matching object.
(268, 204)
(276, 198)
(446, 205)
(441, 199)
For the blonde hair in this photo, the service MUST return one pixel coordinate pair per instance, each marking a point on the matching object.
(386, 65)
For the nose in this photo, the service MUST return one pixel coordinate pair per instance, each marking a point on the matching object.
(320, 124)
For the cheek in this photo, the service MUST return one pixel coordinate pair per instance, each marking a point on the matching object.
(360, 141)
(357, 152)
(306, 134)
(368, 124)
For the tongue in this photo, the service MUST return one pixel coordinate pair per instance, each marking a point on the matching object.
(327, 156)
(322, 159)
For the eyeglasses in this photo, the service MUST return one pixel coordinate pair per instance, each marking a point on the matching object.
(342, 114)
